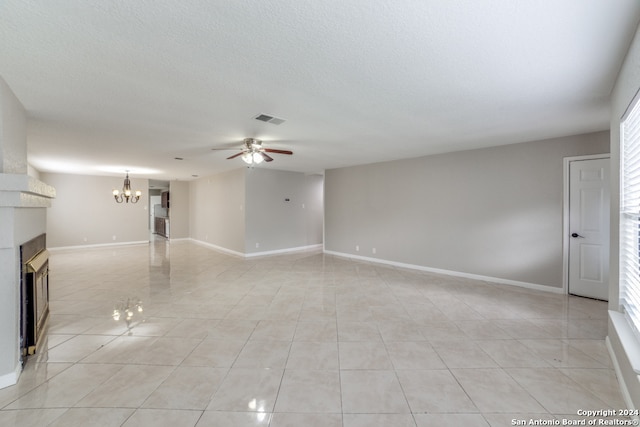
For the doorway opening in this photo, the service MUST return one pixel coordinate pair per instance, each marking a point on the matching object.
(159, 208)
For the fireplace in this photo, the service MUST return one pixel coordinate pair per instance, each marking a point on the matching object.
(34, 294)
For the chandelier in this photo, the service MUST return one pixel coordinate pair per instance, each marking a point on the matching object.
(126, 194)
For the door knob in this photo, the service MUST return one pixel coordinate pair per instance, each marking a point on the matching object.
(574, 235)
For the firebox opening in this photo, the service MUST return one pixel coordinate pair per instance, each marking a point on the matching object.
(34, 295)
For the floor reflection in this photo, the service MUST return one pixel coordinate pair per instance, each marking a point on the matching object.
(159, 263)
(126, 309)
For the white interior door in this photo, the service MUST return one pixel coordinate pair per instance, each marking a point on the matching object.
(589, 228)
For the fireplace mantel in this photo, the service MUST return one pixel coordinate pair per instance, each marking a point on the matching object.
(23, 191)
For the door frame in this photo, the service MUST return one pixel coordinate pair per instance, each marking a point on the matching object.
(565, 213)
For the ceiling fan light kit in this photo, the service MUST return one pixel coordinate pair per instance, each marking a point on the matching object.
(253, 158)
(253, 153)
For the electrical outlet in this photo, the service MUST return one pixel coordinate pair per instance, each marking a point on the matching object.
(114, 237)
(357, 248)
(257, 245)
(373, 250)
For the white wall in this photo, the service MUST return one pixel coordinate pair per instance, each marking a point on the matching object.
(85, 212)
(13, 132)
(494, 212)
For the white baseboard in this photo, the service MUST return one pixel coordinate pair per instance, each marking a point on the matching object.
(217, 248)
(499, 280)
(100, 245)
(258, 254)
(10, 378)
(180, 239)
(285, 251)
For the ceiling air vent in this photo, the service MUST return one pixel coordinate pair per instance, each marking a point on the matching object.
(269, 119)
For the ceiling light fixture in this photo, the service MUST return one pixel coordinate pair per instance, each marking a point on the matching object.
(253, 157)
(126, 194)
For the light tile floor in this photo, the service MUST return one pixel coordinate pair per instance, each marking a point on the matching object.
(303, 340)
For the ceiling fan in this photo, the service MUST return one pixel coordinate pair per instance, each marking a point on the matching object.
(254, 153)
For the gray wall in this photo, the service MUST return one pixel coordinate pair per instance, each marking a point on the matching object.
(493, 212)
(626, 87)
(220, 210)
(85, 213)
(274, 223)
(216, 210)
(314, 190)
(179, 209)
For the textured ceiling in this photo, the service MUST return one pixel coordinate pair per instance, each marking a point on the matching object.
(115, 85)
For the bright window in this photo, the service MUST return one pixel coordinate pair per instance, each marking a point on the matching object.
(630, 215)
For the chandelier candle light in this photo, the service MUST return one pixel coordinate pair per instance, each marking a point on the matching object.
(126, 194)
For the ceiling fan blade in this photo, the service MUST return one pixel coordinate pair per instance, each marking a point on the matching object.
(235, 155)
(271, 150)
(267, 158)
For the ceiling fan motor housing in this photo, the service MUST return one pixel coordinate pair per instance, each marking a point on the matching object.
(252, 144)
